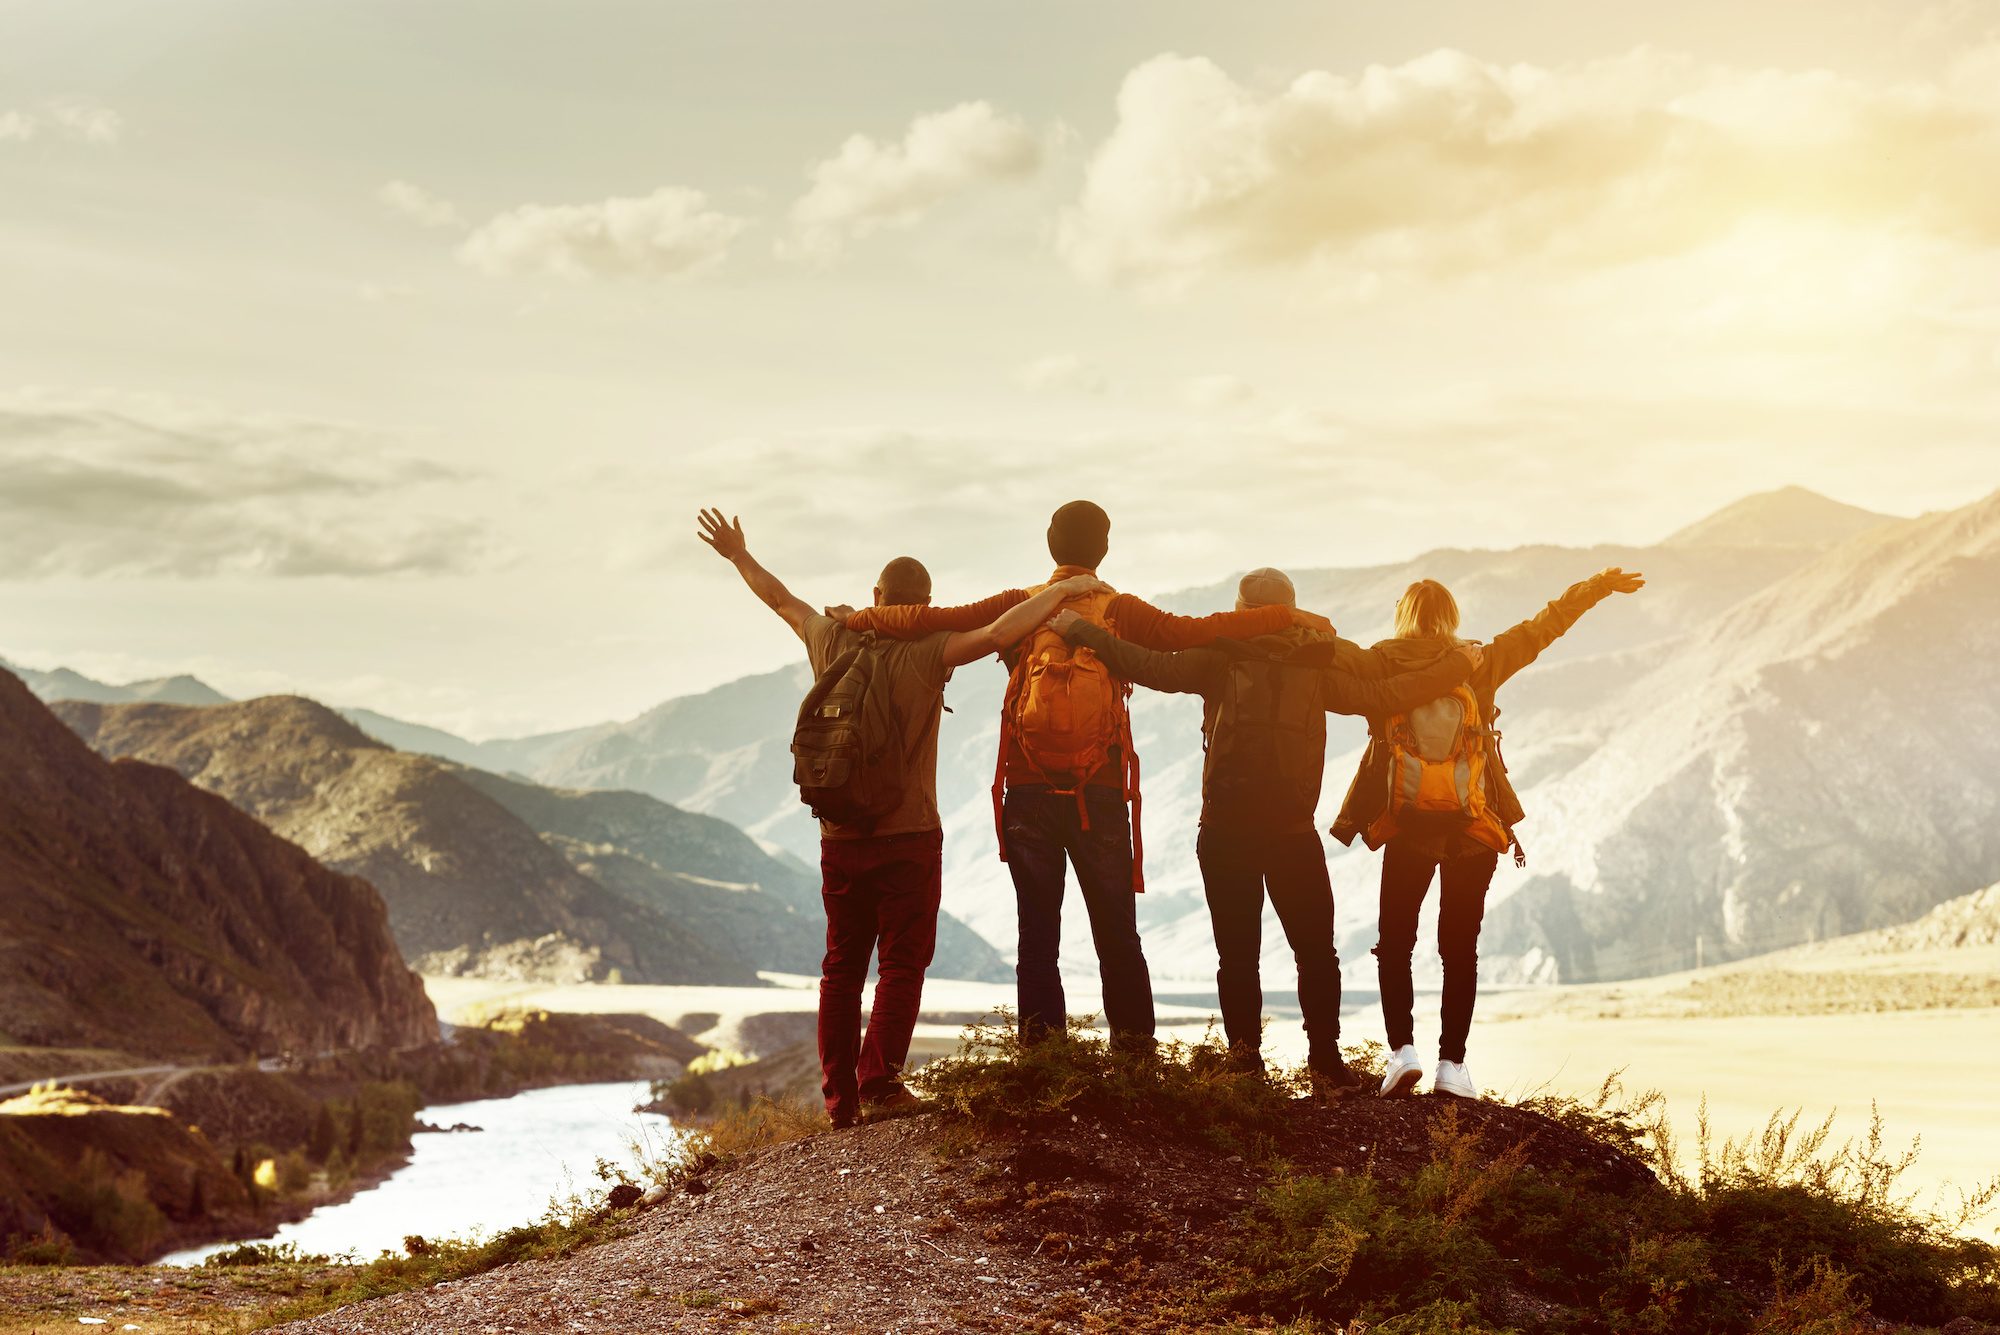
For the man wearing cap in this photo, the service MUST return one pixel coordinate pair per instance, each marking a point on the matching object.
(1040, 827)
(1264, 707)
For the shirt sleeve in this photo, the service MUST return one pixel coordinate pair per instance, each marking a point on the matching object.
(1185, 672)
(1139, 621)
(928, 654)
(1348, 694)
(822, 637)
(1517, 647)
(910, 621)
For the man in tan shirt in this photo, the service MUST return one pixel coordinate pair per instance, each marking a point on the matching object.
(881, 885)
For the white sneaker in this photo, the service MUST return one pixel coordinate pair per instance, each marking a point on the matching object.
(1405, 1069)
(1453, 1078)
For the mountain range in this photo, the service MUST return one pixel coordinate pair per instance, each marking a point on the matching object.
(142, 914)
(490, 876)
(1786, 736)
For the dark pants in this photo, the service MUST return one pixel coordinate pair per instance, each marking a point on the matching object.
(1042, 828)
(878, 892)
(1406, 879)
(1237, 868)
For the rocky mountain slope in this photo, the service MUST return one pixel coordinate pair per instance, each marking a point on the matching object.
(469, 887)
(144, 915)
(1823, 758)
(64, 684)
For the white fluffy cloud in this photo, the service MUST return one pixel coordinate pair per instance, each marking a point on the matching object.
(418, 205)
(80, 122)
(1449, 162)
(669, 233)
(868, 185)
(90, 488)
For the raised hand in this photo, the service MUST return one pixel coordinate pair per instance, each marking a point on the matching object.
(726, 537)
(1620, 581)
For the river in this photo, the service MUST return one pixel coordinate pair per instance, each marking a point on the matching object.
(543, 1143)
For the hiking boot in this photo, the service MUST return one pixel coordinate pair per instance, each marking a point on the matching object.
(1405, 1069)
(898, 1102)
(1332, 1081)
(1454, 1079)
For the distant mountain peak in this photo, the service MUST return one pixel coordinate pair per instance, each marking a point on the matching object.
(1787, 517)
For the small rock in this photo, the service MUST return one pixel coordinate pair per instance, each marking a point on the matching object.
(654, 1195)
(808, 1245)
(696, 1187)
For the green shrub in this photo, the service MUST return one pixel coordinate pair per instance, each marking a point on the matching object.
(996, 1079)
(47, 1247)
(263, 1253)
(108, 1211)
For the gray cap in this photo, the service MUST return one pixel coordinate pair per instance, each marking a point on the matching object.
(1265, 586)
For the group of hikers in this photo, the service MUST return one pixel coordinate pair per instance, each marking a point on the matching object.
(1432, 793)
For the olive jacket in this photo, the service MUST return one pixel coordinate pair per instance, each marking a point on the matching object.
(1510, 651)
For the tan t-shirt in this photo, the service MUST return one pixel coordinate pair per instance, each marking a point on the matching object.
(917, 675)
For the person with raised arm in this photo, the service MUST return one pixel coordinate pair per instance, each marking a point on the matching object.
(1263, 727)
(1432, 792)
(881, 842)
(1066, 772)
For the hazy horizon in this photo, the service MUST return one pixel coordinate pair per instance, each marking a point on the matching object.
(384, 352)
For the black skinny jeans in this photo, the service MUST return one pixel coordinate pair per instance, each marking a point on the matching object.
(1406, 879)
(1238, 867)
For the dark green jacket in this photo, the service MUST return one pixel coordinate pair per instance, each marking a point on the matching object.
(1205, 672)
(1510, 651)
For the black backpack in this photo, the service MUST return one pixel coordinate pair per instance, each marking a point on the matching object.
(848, 747)
(1266, 738)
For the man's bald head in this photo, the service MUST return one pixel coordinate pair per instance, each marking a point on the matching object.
(903, 582)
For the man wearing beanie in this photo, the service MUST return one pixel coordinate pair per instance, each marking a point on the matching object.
(1043, 826)
(1264, 707)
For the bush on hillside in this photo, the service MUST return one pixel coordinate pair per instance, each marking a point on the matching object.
(1767, 1234)
(997, 1079)
(108, 1211)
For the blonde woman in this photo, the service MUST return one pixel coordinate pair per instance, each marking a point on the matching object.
(1459, 853)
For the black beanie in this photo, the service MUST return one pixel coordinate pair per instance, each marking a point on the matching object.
(1080, 535)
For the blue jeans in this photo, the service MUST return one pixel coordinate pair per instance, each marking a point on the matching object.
(1042, 828)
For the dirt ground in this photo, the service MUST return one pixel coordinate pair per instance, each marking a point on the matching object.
(914, 1226)
(160, 1300)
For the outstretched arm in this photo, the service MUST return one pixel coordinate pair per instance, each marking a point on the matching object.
(1139, 621)
(914, 621)
(1183, 672)
(1515, 648)
(1348, 694)
(728, 541)
(966, 645)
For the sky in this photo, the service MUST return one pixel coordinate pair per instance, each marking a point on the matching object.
(385, 351)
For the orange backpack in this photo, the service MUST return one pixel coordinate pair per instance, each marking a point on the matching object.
(1065, 711)
(1437, 773)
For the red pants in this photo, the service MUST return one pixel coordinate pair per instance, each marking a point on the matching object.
(880, 892)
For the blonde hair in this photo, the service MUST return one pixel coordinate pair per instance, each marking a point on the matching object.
(1427, 611)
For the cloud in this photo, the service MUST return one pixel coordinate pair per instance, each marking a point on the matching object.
(1449, 163)
(868, 186)
(80, 122)
(669, 233)
(113, 489)
(1217, 391)
(1062, 373)
(418, 205)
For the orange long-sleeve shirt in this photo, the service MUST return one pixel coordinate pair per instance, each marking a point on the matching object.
(1128, 617)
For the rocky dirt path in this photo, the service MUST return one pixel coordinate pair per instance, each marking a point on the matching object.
(912, 1226)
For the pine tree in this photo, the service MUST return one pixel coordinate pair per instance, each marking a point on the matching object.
(355, 1130)
(320, 1143)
